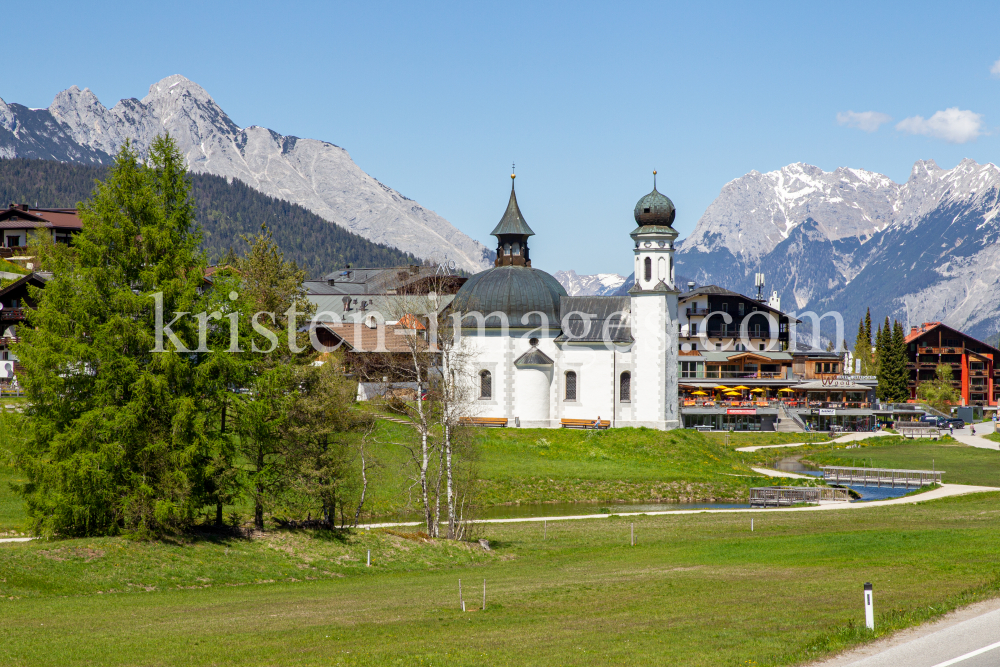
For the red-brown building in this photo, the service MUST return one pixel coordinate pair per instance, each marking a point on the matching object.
(972, 362)
(19, 220)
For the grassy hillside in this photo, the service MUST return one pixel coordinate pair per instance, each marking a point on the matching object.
(225, 211)
(697, 590)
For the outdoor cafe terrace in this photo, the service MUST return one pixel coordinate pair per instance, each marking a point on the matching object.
(805, 395)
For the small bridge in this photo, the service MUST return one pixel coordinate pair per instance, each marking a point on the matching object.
(881, 477)
(785, 496)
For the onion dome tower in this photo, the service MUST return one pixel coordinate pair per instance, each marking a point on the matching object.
(654, 313)
(512, 234)
(654, 242)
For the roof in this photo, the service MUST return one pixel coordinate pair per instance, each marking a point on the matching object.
(718, 357)
(533, 357)
(25, 217)
(710, 290)
(609, 318)
(381, 280)
(38, 279)
(361, 338)
(927, 327)
(512, 221)
(390, 306)
(515, 291)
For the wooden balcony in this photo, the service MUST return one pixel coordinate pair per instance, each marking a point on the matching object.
(12, 314)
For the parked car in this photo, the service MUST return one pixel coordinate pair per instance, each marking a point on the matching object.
(943, 422)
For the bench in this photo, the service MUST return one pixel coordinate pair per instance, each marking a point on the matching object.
(585, 423)
(703, 428)
(490, 422)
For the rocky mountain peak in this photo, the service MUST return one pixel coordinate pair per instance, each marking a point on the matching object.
(315, 174)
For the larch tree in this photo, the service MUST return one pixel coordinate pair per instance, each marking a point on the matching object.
(116, 424)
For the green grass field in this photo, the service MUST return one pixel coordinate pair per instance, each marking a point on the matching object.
(961, 464)
(696, 590)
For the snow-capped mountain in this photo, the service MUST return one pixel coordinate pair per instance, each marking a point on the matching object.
(924, 250)
(599, 284)
(315, 174)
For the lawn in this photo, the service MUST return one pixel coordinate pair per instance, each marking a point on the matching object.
(696, 590)
(961, 464)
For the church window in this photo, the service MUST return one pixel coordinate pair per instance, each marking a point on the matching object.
(625, 387)
(570, 385)
(661, 268)
(517, 248)
(506, 249)
(649, 269)
(645, 210)
(533, 342)
(485, 385)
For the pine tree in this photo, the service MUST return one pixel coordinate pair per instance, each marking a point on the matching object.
(900, 374)
(116, 425)
(882, 361)
(867, 363)
(860, 346)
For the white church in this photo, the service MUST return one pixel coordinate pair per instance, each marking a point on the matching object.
(559, 357)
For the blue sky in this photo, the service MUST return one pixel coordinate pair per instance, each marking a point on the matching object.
(436, 100)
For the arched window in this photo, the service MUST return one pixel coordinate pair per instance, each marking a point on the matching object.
(517, 248)
(570, 386)
(625, 387)
(506, 249)
(649, 269)
(485, 385)
(661, 268)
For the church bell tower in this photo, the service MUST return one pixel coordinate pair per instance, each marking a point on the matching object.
(654, 313)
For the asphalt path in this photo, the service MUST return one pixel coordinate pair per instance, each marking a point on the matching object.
(967, 638)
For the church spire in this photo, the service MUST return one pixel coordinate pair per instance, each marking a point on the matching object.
(512, 234)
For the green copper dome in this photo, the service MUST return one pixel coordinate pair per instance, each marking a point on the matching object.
(655, 209)
(513, 290)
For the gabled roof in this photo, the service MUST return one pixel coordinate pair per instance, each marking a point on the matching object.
(17, 217)
(706, 290)
(37, 279)
(533, 357)
(361, 338)
(512, 221)
(927, 327)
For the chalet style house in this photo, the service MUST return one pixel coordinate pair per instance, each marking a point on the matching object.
(18, 221)
(15, 301)
(745, 375)
(972, 362)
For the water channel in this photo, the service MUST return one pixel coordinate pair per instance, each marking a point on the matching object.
(534, 510)
(867, 493)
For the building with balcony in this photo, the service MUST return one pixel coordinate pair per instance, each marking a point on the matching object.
(19, 221)
(972, 362)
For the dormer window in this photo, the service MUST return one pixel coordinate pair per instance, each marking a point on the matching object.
(645, 210)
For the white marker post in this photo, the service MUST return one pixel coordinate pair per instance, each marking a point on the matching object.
(869, 610)
(751, 525)
(461, 601)
(369, 558)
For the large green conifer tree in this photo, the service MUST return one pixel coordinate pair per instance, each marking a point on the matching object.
(116, 427)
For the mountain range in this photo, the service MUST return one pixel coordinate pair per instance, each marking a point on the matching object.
(318, 175)
(850, 239)
(600, 284)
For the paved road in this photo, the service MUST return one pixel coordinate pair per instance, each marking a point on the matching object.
(970, 642)
(767, 472)
(965, 436)
(850, 437)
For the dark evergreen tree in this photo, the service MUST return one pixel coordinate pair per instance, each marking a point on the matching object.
(115, 424)
(900, 373)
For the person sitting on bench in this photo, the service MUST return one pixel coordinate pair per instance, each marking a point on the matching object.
(597, 424)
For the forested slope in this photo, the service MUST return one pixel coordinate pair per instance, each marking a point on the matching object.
(225, 211)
